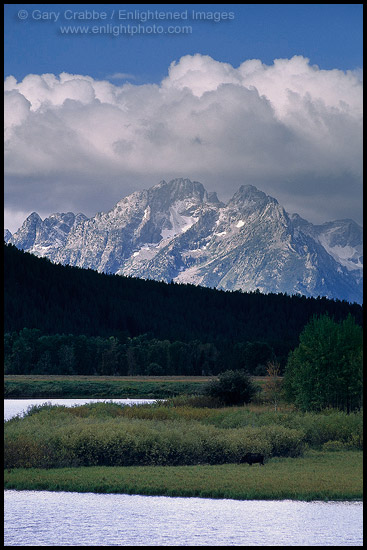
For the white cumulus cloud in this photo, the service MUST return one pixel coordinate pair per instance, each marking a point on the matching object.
(291, 129)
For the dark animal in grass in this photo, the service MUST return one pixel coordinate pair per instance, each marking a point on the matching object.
(252, 458)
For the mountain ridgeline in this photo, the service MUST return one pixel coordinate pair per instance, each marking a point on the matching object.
(55, 312)
(177, 231)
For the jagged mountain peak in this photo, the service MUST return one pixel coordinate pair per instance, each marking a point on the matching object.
(25, 237)
(184, 188)
(342, 239)
(178, 231)
(342, 232)
(44, 237)
(33, 217)
(165, 194)
(249, 195)
(250, 189)
(183, 184)
(180, 189)
(7, 235)
(298, 220)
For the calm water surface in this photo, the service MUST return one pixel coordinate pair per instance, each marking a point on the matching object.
(41, 518)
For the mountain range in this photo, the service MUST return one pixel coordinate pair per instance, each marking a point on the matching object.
(177, 231)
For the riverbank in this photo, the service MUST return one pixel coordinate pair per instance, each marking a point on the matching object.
(316, 476)
(102, 387)
(177, 448)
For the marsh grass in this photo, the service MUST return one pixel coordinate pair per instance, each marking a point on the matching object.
(177, 448)
(118, 387)
(54, 438)
(24, 387)
(108, 434)
(316, 476)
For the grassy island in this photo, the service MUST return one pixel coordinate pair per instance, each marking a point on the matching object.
(316, 476)
(182, 448)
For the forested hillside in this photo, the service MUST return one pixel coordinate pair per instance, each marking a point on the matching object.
(92, 322)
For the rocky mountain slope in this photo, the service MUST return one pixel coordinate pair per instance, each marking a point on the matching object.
(177, 231)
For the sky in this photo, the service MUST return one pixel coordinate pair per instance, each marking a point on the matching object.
(105, 99)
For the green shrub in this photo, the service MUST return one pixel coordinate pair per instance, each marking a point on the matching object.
(195, 401)
(34, 409)
(285, 441)
(334, 446)
(233, 387)
(54, 438)
(113, 435)
(333, 425)
(356, 441)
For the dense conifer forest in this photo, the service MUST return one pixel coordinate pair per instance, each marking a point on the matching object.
(67, 320)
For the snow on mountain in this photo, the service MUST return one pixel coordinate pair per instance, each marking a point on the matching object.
(177, 231)
(342, 240)
(45, 238)
(7, 235)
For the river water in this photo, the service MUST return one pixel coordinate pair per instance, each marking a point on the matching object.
(45, 518)
(41, 518)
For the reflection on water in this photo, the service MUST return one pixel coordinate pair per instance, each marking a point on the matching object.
(12, 407)
(41, 518)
